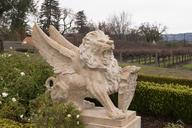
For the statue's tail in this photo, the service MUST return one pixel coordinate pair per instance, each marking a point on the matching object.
(57, 88)
(50, 82)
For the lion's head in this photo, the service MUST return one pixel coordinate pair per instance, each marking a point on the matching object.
(96, 51)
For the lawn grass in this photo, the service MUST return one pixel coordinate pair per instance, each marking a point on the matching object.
(164, 72)
(187, 66)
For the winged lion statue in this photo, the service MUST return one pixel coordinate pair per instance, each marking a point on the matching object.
(89, 70)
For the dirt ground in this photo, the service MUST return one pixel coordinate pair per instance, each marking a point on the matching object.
(157, 122)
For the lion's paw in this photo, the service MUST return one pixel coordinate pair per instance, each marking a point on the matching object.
(117, 114)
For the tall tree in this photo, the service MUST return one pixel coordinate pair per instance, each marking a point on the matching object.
(105, 26)
(81, 22)
(4, 6)
(50, 14)
(13, 14)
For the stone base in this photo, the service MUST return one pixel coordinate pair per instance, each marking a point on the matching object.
(97, 118)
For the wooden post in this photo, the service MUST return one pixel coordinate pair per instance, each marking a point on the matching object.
(149, 59)
(120, 57)
(173, 60)
(168, 61)
(132, 59)
(186, 57)
(145, 59)
(157, 59)
(163, 59)
(1, 46)
(176, 59)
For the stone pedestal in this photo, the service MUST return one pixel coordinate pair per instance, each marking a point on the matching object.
(97, 118)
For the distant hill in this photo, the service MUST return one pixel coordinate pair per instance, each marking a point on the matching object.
(178, 37)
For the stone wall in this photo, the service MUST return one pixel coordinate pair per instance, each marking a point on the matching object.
(17, 45)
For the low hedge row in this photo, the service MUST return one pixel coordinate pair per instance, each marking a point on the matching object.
(164, 99)
(165, 80)
(6, 123)
(168, 100)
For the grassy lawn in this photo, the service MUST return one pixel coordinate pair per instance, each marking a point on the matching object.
(187, 66)
(165, 72)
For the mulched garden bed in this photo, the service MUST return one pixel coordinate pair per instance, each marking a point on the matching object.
(158, 122)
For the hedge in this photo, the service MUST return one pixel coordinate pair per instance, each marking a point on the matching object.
(165, 80)
(164, 99)
(6, 123)
(167, 100)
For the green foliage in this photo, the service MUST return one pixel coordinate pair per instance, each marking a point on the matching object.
(6, 123)
(50, 14)
(54, 115)
(13, 14)
(163, 80)
(187, 66)
(12, 110)
(22, 77)
(172, 125)
(81, 22)
(164, 99)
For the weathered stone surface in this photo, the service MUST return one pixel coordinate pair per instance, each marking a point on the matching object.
(97, 118)
(89, 70)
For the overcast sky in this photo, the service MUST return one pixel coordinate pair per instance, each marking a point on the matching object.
(175, 14)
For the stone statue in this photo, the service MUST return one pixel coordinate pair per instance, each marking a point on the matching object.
(89, 70)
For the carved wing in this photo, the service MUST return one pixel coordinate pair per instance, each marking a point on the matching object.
(55, 35)
(58, 56)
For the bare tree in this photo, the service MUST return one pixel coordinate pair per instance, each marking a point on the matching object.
(105, 27)
(119, 24)
(152, 32)
(67, 18)
(134, 35)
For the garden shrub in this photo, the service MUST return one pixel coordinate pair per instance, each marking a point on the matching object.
(164, 99)
(6, 123)
(165, 80)
(22, 76)
(47, 114)
(12, 110)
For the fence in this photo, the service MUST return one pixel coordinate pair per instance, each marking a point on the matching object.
(159, 57)
(1, 46)
(17, 45)
(162, 57)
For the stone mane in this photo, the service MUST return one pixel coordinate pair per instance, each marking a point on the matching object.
(89, 54)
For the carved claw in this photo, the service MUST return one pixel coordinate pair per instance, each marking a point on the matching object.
(131, 69)
(117, 114)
